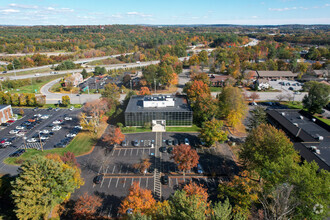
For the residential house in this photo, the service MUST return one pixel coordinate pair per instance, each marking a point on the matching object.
(218, 80)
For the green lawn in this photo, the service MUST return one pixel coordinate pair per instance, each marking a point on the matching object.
(193, 128)
(325, 120)
(35, 86)
(293, 105)
(81, 144)
(92, 91)
(215, 89)
(56, 87)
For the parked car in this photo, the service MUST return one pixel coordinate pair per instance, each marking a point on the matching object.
(37, 115)
(186, 141)
(44, 131)
(35, 109)
(199, 169)
(60, 145)
(124, 143)
(136, 143)
(15, 131)
(50, 108)
(78, 127)
(169, 142)
(291, 88)
(10, 121)
(70, 135)
(57, 109)
(170, 150)
(20, 127)
(4, 124)
(71, 108)
(44, 117)
(175, 142)
(31, 140)
(68, 118)
(163, 149)
(17, 153)
(164, 180)
(57, 122)
(44, 137)
(20, 133)
(98, 179)
(56, 128)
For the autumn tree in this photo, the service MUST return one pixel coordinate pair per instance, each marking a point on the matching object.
(42, 184)
(204, 109)
(253, 96)
(195, 189)
(143, 165)
(194, 60)
(203, 57)
(21, 111)
(263, 145)
(212, 131)
(232, 105)
(65, 100)
(200, 77)
(185, 157)
(92, 113)
(144, 91)
(137, 200)
(86, 206)
(111, 95)
(113, 136)
(196, 89)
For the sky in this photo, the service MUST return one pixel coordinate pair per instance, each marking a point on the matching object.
(166, 12)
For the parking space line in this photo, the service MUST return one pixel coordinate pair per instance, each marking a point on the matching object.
(137, 151)
(147, 183)
(124, 183)
(143, 151)
(102, 182)
(113, 170)
(117, 182)
(132, 181)
(120, 169)
(125, 152)
(113, 152)
(109, 183)
(119, 152)
(176, 181)
(131, 151)
(100, 169)
(140, 181)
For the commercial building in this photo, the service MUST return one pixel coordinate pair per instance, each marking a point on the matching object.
(271, 74)
(311, 137)
(173, 110)
(5, 113)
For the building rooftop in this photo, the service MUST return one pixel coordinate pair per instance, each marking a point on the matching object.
(137, 103)
(277, 74)
(307, 130)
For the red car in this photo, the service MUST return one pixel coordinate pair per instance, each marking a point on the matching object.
(10, 121)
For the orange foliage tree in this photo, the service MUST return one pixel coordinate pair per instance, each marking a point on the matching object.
(143, 165)
(138, 200)
(113, 135)
(86, 206)
(196, 89)
(196, 189)
(185, 157)
(144, 91)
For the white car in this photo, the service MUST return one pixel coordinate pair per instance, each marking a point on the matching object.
(44, 137)
(56, 128)
(44, 131)
(57, 122)
(44, 116)
(21, 133)
(20, 127)
(31, 140)
(71, 108)
(70, 135)
(37, 115)
(68, 118)
(7, 143)
(13, 131)
(78, 127)
(186, 141)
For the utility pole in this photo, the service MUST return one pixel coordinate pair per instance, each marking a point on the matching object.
(155, 85)
(42, 149)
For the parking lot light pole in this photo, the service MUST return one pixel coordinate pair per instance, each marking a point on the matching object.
(42, 149)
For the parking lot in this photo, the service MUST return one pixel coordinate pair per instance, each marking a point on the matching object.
(38, 128)
(286, 85)
(116, 167)
(98, 82)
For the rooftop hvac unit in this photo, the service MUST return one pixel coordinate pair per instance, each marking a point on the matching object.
(295, 124)
(314, 119)
(301, 117)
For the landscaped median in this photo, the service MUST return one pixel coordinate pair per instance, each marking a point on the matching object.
(82, 144)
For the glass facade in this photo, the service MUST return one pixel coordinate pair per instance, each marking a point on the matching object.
(172, 118)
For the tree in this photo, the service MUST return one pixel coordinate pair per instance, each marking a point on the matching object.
(21, 111)
(196, 89)
(212, 131)
(65, 100)
(280, 97)
(254, 96)
(138, 200)
(144, 91)
(232, 105)
(241, 192)
(113, 136)
(126, 80)
(205, 108)
(185, 157)
(200, 77)
(86, 206)
(84, 74)
(15, 99)
(42, 184)
(258, 117)
(194, 60)
(96, 109)
(143, 166)
(317, 97)
(223, 211)
(265, 144)
(195, 189)
(183, 206)
(111, 95)
(203, 57)
(22, 100)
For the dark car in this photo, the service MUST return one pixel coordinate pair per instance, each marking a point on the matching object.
(35, 109)
(162, 149)
(170, 150)
(124, 143)
(290, 88)
(50, 108)
(17, 153)
(169, 142)
(164, 180)
(136, 143)
(4, 124)
(175, 142)
(98, 179)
